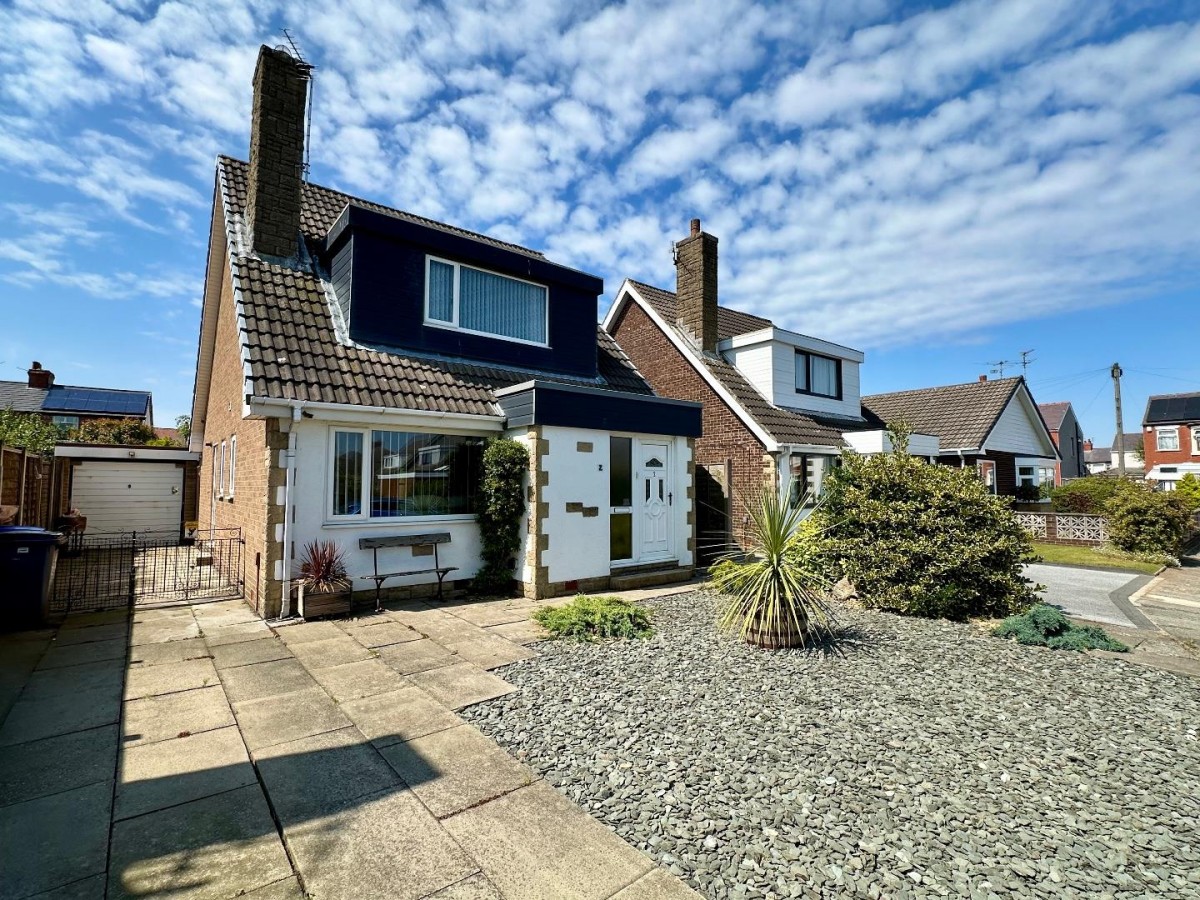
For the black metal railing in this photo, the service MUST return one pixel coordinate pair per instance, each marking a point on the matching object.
(119, 570)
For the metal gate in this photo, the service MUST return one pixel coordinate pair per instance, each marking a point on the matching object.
(116, 571)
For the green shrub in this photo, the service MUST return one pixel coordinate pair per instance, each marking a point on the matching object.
(1142, 520)
(589, 618)
(28, 431)
(1046, 626)
(775, 595)
(1084, 495)
(1188, 490)
(127, 432)
(922, 539)
(501, 507)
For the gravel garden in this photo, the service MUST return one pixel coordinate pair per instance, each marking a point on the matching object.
(920, 758)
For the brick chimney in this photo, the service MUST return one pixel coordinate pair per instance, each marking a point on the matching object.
(983, 378)
(276, 153)
(39, 377)
(1087, 445)
(696, 287)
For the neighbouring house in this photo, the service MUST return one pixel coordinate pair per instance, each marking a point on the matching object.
(66, 406)
(1171, 439)
(355, 359)
(1133, 447)
(779, 407)
(1068, 438)
(994, 426)
(1097, 459)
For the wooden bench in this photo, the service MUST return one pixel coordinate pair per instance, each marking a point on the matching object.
(375, 544)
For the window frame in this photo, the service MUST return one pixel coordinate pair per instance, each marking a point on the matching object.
(1195, 440)
(65, 428)
(809, 356)
(364, 517)
(221, 471)
(1160, 433)
(232, 473)
(456, 302)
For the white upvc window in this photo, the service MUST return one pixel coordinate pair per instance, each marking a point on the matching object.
(232, 466)
(476, 301)
(220, 462)
(1167, 438)
(65, 424)
(1196, 440)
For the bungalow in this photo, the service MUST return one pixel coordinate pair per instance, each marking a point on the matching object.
(994, 426)
(1172, 438)
(354, 360)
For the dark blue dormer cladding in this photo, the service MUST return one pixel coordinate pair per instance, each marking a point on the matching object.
(384, 258)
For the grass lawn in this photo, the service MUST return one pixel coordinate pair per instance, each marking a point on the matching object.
(1086, 556)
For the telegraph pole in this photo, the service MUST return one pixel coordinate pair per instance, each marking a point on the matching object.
(1120, 448)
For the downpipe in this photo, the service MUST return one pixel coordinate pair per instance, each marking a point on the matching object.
(285, 609)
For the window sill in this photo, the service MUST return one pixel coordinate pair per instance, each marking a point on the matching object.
(801, 393)
(399, 521)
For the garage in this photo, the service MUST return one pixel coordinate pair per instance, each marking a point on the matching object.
(139, 490)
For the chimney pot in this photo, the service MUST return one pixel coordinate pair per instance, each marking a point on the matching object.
(696, 287)
(983, 378)
(276, 153)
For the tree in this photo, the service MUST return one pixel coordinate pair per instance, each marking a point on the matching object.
(28, 431)
(1189, 490)
(1143, 520)
(922, 539)
(127, 432)
(183, 425)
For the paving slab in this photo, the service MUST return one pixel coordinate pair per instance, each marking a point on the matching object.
(306, 632)
(55, 764)
(359, 679)
(172, 652)
(224, 612)
(330, 652)
(80, 654)
(319, 775)
(399, 716)
(383, 846)
(443, 627)
(87, 620)
(151, 681)
(68, 636)
(460, 685)
(32, 720)
(416, 656)
(455, 769)
(288, 889)
(278, 720)
(54, 841)
(268, 679)
(526, 632)
(493, 612)
(657, 884)
(235, 634)
(179, 628)
(46, 684)
(477, 887)
(167, 614)
(489, 651)
(248, 653)
(167, 773)
(84, 889)
(534, 843)
(172, 715)
(383, 634)
(215, 847)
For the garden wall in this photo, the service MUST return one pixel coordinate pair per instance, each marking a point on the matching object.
(1079, 529)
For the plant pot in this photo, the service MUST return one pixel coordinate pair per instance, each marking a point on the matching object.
(314, 604)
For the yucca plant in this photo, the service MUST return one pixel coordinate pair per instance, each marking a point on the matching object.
(775, 598)
(323, 567)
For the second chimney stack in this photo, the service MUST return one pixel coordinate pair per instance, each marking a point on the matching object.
(696, 287)
(39, 377)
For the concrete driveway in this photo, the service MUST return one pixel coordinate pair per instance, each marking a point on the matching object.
(1099, 595)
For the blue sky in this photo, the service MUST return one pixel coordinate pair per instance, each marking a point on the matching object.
(941, 185)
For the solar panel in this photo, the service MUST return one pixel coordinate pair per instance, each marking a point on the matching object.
(96, 400)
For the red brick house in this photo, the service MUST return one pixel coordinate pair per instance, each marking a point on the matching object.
(1171, 438)
(778, 406)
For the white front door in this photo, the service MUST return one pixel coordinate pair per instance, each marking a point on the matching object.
(654, 494)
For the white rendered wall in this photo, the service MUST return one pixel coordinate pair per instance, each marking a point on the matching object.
(1015, 432)
(578, 546)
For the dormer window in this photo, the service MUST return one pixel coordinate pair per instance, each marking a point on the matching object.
(480, 302)
(820, 376)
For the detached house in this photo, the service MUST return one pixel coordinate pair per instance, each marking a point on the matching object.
(778, 406)
(994, 426)
(354, 359)
(1172, 438)
(1068, 438)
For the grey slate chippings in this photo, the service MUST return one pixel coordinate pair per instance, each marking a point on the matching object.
(933, 760)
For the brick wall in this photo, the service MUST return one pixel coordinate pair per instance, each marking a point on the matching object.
(696, 269)
(253, 507)
(725, 437)
(1156, 457)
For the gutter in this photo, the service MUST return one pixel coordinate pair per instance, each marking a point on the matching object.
(285, 608)
(491, 423)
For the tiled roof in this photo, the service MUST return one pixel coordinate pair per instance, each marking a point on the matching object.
(1098, 455)
(784, 425)
(1133, 440)
(1053, 413)
(1173, 409)
(294, 353)
(20, 397)
(961, 415)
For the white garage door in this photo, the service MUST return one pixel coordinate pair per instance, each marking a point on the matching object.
(129, 496)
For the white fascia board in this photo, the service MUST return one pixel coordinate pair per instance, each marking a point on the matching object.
(1033, 414)
(374, 415)
(689, 354)
(811, 449)
(123, 452)
(623, 293)
(209, 315)
(792, 339)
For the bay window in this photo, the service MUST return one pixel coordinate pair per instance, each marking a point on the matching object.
(380, 474)
(820, 376)
(470, 299)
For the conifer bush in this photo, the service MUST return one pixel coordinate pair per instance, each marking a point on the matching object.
(501, 505)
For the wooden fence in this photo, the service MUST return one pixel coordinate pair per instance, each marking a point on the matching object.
(25, 485)
(1065, 528)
